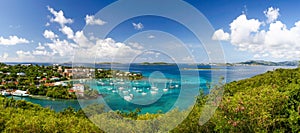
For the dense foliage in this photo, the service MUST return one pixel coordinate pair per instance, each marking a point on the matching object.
(21, 116)
(268, 102)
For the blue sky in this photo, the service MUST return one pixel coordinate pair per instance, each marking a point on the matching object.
(53, 31)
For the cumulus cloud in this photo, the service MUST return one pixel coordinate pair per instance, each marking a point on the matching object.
(42, 53)
(138, 26)
(49, 34)
(59, 17)
(82, 40)
(220, 35)
(67, 31)
(12, 40)
(40, 47)
(90, 20)
(24, 54)
(136, 45)
(62, 47)
(271, 40)
(272, 14)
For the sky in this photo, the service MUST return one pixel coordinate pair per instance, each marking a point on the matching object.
(140, 31)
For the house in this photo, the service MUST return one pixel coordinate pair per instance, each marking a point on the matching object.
(60, 70)
(21, 74)
(68, 73)
(78, 89)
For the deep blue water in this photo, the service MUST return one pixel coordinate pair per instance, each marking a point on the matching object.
(182, 84)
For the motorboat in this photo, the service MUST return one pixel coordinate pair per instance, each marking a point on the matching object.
(128, 98)
(20, 93)
(153, 92)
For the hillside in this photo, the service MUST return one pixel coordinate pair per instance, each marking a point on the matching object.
(268, 102)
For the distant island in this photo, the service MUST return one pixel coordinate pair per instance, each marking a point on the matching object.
(269, 63)
(157, 63)
(254, 63)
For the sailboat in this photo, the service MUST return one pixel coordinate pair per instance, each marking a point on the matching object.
(165, 89)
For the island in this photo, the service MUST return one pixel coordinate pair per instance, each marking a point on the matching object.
(157, 63)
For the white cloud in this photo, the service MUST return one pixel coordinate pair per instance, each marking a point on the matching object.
(24, 54)
(41, 53)
(47, 24)
(90, 20)
(59, 17)
(241, 29)
(136, 45)
(272, 14)
(151, 36)
(138, 26)
(82, 40)
(12, 40)
(4, 56)
(49, 34)
(62, 47)
(40, 47)
(220, 35)
(67, 31)
(271, 40)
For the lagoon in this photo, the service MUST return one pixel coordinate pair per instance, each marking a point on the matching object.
(187, 86)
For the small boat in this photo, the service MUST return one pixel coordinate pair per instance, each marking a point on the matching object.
(114, 91)
(121, 88)
(153, 92)
(128, 98)
(20, 93)
(125, 92)
(154, 88)
(144, 93)
(176, 86)
(131, 95)
(165, 90)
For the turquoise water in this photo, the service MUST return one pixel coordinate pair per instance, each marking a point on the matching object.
(148, 94)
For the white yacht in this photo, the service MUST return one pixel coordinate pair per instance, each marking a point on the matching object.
(20, 93)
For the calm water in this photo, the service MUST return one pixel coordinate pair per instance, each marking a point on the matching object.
(150, 94)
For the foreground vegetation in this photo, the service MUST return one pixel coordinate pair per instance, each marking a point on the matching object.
(268, 102)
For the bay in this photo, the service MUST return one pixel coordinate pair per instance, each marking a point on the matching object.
(183, 82)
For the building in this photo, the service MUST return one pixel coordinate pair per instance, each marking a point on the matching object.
(21, 74)
(78, 89)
